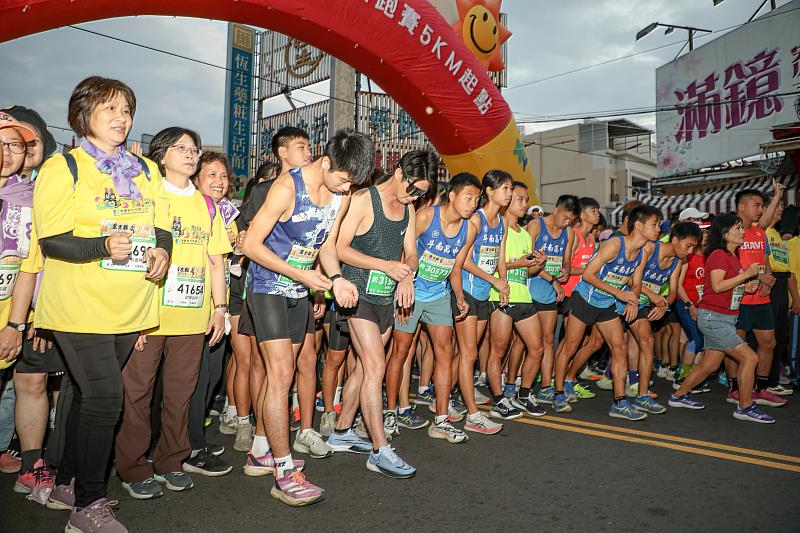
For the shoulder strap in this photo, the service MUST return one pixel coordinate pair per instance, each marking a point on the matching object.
(72, 165)
(212, 211)
(145, 168)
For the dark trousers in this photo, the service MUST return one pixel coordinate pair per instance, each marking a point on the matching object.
(779, 299)
(210, 373)
(94, 363)
(181, 356)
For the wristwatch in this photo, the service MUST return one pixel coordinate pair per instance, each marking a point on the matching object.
(18, 327)
(688, 304)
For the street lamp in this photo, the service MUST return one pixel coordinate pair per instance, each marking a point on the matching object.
(771, 4)
(670, 28)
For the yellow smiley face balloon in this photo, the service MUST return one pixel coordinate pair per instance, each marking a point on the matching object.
(480, 28)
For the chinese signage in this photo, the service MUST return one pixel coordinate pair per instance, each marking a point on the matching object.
(238, 99)
(289, 63)
(312, 118)
(722, 99)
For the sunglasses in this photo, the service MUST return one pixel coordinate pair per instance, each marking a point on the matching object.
(412, 190)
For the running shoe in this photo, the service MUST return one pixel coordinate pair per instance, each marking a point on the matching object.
(588, 373)
(765, 397)
(310, 442)
(481, 398)
(632, 390)
(387, 462)
(605, 383)
(62, 497)
(480, 423)
(452, 414)
(360, 428)
(206, 464)
(503, 409)
(218, 406)
(457, 405)
(390, 424)
(646, 404)
(722, 379)
(10, 462)
(409, 419)
(265, 465)
(327, 423)
(38, 483)
(686, 402)
(244, 437)
(625, 410)
(175, 481)
(228, 425)
(294, 421)
(482, 380)
(662, 371)
(732, 397)
(446, 430)
(752, 414)
(546, 395)
(215, 449)
(97, 517)
(705, 386)
(348, 442)
(143, 490)
(569, 390)
(295, 490)
(583, 393)
(561, 403)
(425, 398)
(781, 390)
(528, 405)
(677, 384)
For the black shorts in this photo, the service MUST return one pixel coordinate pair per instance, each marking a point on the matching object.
(35, 362)
(564, 306)
(236, 302)
(382, 315)
(755, 317)
(672, 316)
(480, 309)
(542, 308)
(589, 314)
(517, 312)
(338, 332)
(278, 317)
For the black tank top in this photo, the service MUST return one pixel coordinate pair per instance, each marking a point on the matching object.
(384, 240)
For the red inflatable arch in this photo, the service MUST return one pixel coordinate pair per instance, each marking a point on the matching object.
(405, 46)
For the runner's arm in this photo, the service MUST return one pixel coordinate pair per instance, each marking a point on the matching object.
(328, 253)
(455, 274)
(675, 284)
(682, 294)
(607, 251)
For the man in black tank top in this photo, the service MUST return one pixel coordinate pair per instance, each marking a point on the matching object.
(378, 230)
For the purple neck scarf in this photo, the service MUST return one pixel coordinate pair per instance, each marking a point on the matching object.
(121, 166)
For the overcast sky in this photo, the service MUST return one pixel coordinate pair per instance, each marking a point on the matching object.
(549, 39)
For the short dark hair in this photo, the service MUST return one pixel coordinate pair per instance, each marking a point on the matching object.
(643, 213)
(519, 184)
(166, 138)
(629, 206)
(421, 165)
(267, 171)
(461, 181)
(684, 230)
(569, 202)
(216, 157)
(589, 203)
(284, 136)
(744, 194)
(89, 94)
(352, 152)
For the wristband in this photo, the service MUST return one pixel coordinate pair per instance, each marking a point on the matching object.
(221, 306)
(335, 277)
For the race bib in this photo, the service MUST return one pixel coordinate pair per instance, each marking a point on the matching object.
(700, 289)
(300, 257)
(184, 287)
(8, 278)
(615, 280)
(780, 255)
(654, 288)
(379, 284)
(553, 265)
(435, 268)
(487, 259)
(736, 297)
(142, 240)
(517, 275)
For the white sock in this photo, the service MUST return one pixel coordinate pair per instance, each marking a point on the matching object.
(295, 403)
(230, 412)
(244, 420)
(440, 419)
(473, 416)
(282, 464)
(403, 409)
(420, 390)
(337, 398)
(260, 446)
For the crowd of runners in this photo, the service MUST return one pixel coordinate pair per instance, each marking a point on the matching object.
(139, 301)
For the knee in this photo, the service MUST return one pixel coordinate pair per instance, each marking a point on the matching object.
(30, 384)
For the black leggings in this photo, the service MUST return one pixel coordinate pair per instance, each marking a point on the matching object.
(94, 363)
(210, 373)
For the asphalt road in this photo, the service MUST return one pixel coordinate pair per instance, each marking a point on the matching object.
(682, 471)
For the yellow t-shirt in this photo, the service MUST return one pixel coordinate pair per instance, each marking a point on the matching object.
(99, 296)
(185, 296)
(794, 259)
(779, 254)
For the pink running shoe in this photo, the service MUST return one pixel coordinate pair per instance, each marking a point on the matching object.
(265, 465)
(733, 397)
(10, 463)
(295, 490)
(765, 397)
(37, 482)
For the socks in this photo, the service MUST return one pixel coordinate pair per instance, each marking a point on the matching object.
(29, 459)
(230, 412)
(341, 431)
(282, 464)
(618, 399)
(498, 398)
(762, 382)
(733, 384)
(633, 377)
(337, 397)
(440, 419)
(244, 420)
(524, 392)
(403, 409)
(260, 446)
(472, 417)
(422, 390)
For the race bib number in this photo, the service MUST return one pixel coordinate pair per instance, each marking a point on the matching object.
(142, 241)
(653, 287)
(184, 287)
(379, 284)
(487, 259)
(700, 289)
(736, 297)
(8, 278)
(517, 275)
(300, 257)
(780, 255)
(615, 280)
(435, 268)
(553, 265)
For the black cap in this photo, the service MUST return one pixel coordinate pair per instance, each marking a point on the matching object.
(23, 114)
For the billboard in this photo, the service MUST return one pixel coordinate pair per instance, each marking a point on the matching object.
(721, 100)
(239, 99)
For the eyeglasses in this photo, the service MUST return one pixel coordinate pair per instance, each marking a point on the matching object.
(15, 147)
(184, 149)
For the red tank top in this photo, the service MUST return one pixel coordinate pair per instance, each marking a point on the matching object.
(580, 259)
(753, 251)
(695, 277)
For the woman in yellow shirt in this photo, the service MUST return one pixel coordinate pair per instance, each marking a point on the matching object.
(102, 220)
(192, 304)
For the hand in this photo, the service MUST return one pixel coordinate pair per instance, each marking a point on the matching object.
(629, 298)
(119, 245)
(631, 310)
(319, 305)
(501, 286)
(693, 312)
(777, 187)
(559, 291)
(659, 301)
(216, 326)
(345, 292)
(396, 270)
(463, 307)
(752, 270)
(10, 343)
(140, 342)
(239, 241)
(752, 286)
(405, 293)
(40, 344)
(767, 279)
(565, 273)
(535, 258)
(159, 263)
(403, 314)
(656, 314)
(313, 280)
(232, 236)
(795, 307)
